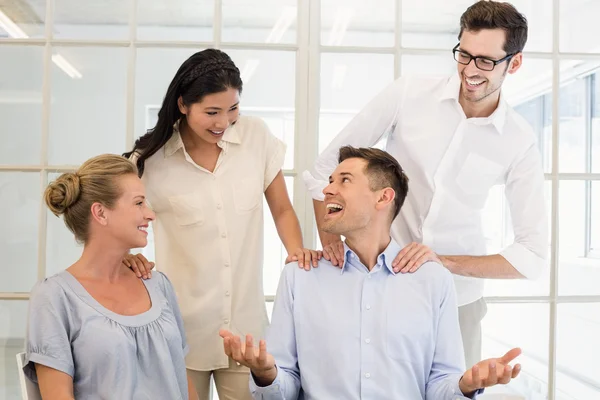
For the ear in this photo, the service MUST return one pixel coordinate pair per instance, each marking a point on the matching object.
(182, 107)
(99, 214)
(515, 63)
(386, 198)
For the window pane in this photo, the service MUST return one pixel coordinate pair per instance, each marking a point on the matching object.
(19, 213)
(348, 83)
(503, 329)
(498, 231)
(13, 322)
(95, 20)
(61, 248)
(21, 75)
(577, 17)
(357, 23)
(595, 142)
(155, 68)
(22, 19)
(572, 131)
(88, 108)
(266, 21)
(432, 24)
(595, 221)
(579, 274)
(190, 20)
(438, 65)
(274, 250)
(538, 114)
(577, 351)
(539, 22)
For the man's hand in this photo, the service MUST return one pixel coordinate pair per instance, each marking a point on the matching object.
(139, 264)
(410, 258)
(490, 372)
(334, 252)
(305, 257)
(261, 363)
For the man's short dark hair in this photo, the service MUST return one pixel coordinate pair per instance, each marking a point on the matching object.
(487, 14)
(383, 171)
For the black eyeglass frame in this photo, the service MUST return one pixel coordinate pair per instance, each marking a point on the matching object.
(475, 58)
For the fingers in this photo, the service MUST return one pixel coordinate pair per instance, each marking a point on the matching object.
(406, 261)
(333, 256)
(262, 353)
(236, 349)
(315, 257)
(339, 252)
(506, 375)
(516, 370)
(510, 355)
(476, 377)
(492, 377)
(415, 261)
(401, 260)
(249, 353)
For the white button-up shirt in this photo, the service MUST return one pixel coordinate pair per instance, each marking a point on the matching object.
(209, 234)
(452, 162)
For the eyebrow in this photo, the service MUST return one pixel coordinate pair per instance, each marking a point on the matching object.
(341, 174)
(480, 56)
(218, 108)
(139, 195)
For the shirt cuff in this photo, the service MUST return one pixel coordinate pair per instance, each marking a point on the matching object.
(458, 394)
(314, 186)
(272, 389)
(530, 265)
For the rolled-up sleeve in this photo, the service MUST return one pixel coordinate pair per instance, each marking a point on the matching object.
(525, 194)
(364, 130)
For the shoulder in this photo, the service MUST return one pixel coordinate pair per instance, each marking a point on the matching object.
(254, 126)
(51, 291)
(293, 273)
(162, 282)
(433, 274)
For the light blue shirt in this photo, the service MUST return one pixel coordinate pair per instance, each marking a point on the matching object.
(108, 355)
(354, 334)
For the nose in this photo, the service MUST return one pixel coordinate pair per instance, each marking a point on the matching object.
(222, 123)
(150, 214)
(471, 69)
(329, 190)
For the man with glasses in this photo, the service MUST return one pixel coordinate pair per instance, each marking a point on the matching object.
(456, 138)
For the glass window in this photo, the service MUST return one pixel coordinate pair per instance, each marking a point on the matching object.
(576, 351)
(88, 108)
(357, 23)
(578, 26)
(22, 19)
(21, 75)
(503, 328)
(595, 139)
(19, 212)
(92, 20)
(161, 20)
(13, 322)
(573, 125)
(267, 21)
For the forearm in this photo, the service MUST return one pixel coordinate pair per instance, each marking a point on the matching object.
(491, 267)
(326, 238)
(288, 229)
(278, 384)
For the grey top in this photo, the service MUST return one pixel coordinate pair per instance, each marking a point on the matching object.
(109, 356)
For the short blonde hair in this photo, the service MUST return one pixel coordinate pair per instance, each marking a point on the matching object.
(73, 193)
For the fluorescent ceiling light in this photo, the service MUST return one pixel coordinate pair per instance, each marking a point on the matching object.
(249, 69)
(340, 25)
(283, 23)
(339, 75)
(11, 28)
(66, 66)
(15, 32)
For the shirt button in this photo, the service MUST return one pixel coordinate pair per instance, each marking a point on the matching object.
(227, 264)
(369, 276)
(223, 235)
(226, 321)
(226, 293)
(219, 206)
(367, 375)
(368, 306)
(367, 341)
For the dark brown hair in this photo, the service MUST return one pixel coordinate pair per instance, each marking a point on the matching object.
(383, 171)
(497, 15)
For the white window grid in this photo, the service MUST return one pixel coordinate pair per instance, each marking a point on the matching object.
(308, 50)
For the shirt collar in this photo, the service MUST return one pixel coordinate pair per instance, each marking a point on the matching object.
(498, 118)
(385, 259)
(175, 143)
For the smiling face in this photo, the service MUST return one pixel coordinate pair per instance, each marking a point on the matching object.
(478, 85)
(350, 203)
(209, 118)
(129, 219)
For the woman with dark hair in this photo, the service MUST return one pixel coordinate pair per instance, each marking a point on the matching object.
(206, 168)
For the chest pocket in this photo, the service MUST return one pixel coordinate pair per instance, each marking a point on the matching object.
(187, 208)
(247, 194)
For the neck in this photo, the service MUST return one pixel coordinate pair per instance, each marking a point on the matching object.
(101, 261)
(368, 245)
(480, 109)
(191, 141)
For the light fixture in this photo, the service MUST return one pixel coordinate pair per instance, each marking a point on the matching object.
(283, 23)
(15, 32)
(340, 25)
(249, 69)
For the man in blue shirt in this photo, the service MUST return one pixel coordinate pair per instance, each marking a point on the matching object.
(365, 332)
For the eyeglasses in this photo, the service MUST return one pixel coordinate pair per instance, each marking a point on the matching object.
(483, 63)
